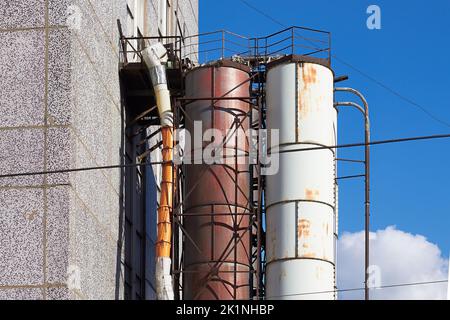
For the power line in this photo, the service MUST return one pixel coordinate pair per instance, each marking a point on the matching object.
(119, 166)
(379, 83)
(262, 13)
(372, 143)
(408, 284)
(394, 92)
(132, 165)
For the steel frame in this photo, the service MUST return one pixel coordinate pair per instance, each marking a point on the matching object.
(250, 210)
(258, 53)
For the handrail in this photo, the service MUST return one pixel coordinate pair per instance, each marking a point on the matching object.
(229, 44)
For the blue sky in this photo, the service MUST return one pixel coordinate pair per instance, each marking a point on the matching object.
(410, 181)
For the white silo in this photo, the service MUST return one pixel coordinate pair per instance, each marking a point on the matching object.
(301, 198)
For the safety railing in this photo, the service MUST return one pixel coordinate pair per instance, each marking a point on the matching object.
(215, 45)
(222, 44)
(294, 40)
(131, 47)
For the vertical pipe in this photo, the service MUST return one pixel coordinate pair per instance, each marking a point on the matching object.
(154, 57)
(367, 202)
(365, 112)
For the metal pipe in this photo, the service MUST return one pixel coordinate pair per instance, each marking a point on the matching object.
(365, 112)
(154, 57)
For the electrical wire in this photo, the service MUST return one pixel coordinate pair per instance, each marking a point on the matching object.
(120, 166)
(394, 92)
(132, 165)
(262, 13)
(372, 143)
(379, 83)
(408, 284)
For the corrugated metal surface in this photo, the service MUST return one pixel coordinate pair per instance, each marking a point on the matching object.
(217, 196)
(301, 197)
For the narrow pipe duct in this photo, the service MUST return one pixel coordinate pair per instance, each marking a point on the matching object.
(154, 56)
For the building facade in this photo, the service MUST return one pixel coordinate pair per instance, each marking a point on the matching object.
(63, 235)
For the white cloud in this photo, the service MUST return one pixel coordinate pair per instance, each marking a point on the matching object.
(401, 257)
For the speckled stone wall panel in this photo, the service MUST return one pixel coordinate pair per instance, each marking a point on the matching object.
(60, 10)
(92, 254)
(93, 109)
(71, 12)
(114, 149)
(93, 24)
(190, 14)
(23, 151)
(59, 293)
(22, 78)
(21, 237)
(114, 217)
(22, 14)
(101, 52)
(151, 27)
(21, 293)
(59, 154)
(59, 202)
(53, 225)
(104, 11)
(93, 188)
(60, 96)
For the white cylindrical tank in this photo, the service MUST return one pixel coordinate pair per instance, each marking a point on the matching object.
(301, 197)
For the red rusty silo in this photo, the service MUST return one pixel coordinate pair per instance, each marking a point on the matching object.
(216, 255)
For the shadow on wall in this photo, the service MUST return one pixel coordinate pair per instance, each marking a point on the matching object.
(135, 272)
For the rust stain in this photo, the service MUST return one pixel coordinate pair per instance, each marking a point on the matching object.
(304, 233)
(309, 75)
(303, 106)
(309, 94)
(311, 194)
(303, 228)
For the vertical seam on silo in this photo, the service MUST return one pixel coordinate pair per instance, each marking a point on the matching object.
(296, 229)
(297, 66)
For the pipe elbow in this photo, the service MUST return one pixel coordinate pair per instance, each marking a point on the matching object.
(154, 55)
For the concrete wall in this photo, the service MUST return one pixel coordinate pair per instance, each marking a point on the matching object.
(60, 108)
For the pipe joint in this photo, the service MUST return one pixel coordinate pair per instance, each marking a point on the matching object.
(158, 75)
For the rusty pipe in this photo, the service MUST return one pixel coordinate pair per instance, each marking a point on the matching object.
(365, 112)
(154, 57)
